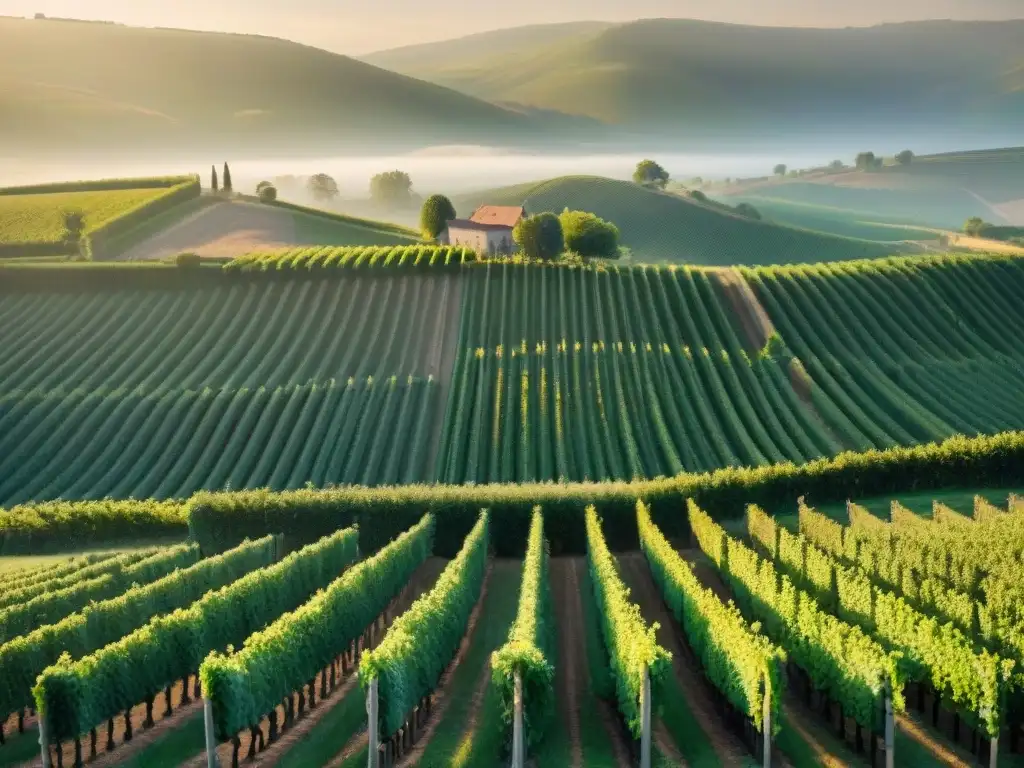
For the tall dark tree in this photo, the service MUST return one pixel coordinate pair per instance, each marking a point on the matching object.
(437, 211)
(213, 178)
(227, 178)
(906, 157)
(780, 169)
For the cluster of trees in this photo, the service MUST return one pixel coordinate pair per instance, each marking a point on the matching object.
(266, 192)
(392, 188)
(546, 236)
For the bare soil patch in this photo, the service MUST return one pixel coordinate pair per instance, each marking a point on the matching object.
(223, 230)
(571, 674)
(757, 325)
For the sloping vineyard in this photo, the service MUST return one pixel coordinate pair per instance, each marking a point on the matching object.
(611, 374)
(227, 381)
(903, 351)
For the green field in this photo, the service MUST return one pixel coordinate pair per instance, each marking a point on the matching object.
(262, 407)
(659, 227)
(385, 365)
(37, 218)
(863, 225)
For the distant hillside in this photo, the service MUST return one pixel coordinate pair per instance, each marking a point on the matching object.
(936, 190)
(661, 227)
(462, 60)
(703, 76)
(76, 85)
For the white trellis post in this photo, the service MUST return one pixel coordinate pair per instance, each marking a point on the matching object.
(766, 728)
(211, 736)
(518, 737)
(373, 726)
(44, 741)
(890, 729)
(645, 721)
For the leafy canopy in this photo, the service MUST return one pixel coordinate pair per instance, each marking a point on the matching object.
(650, 174)
(435, 214)
(540, 236)
(589, 235)
(322, 187)
(391, 188)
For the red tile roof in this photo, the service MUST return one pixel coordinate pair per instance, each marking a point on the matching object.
(498, 215)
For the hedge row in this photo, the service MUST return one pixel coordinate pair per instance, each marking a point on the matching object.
(53, 606)
(101, 185)
(978, 683)
(531, 645)
(24, 593)
(105, 241)
(840, 659)
(219, 520)
(23, 659)
(245, 686)
(60, 525)
(633, 649)
(75, 696)
(739, 661)
(26, 577)
(423, 640)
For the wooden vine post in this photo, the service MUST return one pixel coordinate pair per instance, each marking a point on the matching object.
(645, 721)
(766, 727)
(890, 728)
(44, 740)
(373, 726)
(518, 737)
(211, 737)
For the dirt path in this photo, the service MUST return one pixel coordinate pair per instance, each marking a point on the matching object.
(637, 575)
(441, 700)
(225, 229)
(757, 325)
(577, 700)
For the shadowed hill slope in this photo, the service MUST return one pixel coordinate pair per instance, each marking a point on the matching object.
(79, 85)
(684, 74)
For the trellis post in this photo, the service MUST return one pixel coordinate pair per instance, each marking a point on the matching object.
(373, 726)
(211, 736)
(766, 727)
(44, 741)
(890, 729)
(518, 740)
(645, 721)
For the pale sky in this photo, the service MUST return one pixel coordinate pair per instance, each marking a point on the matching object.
(361, 26)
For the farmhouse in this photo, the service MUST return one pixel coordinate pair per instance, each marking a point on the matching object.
(488, 230)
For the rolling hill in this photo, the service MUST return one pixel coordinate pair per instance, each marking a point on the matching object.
(662, 227)
(701, 76)
(936, 190)
(92, 86)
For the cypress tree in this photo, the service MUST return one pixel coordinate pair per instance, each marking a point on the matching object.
(213, 178)
(227, 178)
